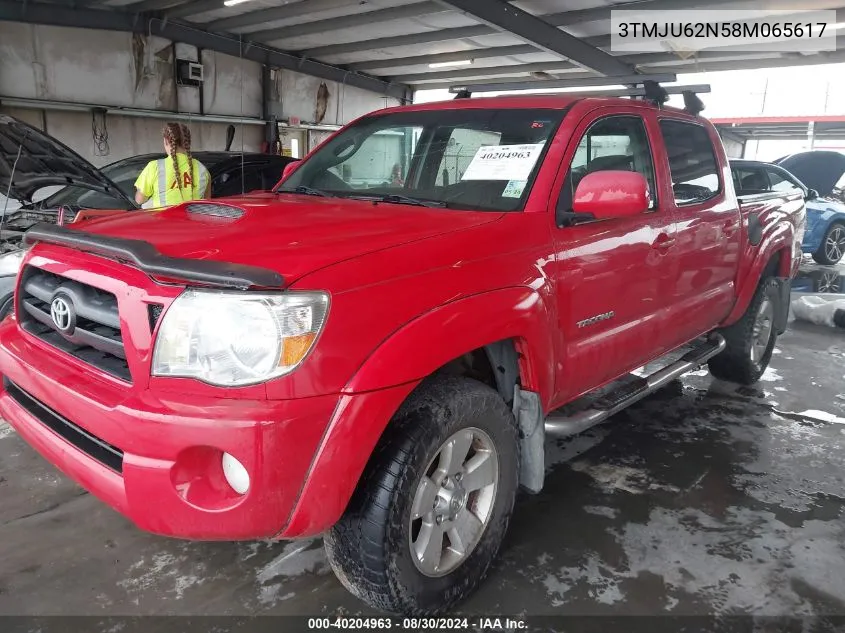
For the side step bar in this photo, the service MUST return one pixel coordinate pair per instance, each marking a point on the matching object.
(630, 392)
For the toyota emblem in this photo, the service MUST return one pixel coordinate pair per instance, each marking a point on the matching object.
(62, 314)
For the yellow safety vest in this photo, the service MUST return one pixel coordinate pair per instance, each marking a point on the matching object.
(158, 181)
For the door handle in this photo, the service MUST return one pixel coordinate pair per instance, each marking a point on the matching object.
(663, 242)
(730, 228)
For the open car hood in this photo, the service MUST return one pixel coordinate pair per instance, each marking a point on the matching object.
(819, 170)
(31, 160)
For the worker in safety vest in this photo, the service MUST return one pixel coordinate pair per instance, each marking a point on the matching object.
(177, 178)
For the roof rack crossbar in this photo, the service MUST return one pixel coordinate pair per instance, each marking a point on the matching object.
(584, 82)
(651, 91)
(638, 92)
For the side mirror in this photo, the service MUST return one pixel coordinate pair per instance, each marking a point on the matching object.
(611, 194)
(811, 194)
(289, 168)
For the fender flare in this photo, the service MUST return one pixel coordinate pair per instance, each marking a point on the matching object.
(394, 370)
(459, 327)
(781, 239)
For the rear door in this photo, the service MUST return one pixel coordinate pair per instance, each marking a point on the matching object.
(706, 251)
(611, 275)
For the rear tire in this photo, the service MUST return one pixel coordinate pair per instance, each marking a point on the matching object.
(751, 340)
(833, 245)
(451, 452)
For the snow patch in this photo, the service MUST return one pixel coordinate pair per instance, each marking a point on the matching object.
(726, 562)
(602, 511)
(611, 477)
(166, 571)
(771, 375)
(822, 416)
(602, 582)
(296, 559)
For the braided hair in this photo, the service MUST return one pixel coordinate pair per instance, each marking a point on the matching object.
(173, 137)
(186, 145)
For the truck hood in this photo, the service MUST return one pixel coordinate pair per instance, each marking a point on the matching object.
(290, 234)
(31, 160)
(819, 170)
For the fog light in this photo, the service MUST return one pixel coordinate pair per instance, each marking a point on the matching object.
(235, 474)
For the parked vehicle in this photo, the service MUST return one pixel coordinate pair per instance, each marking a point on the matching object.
(382, 364)
(231, 175)
(41, 163)
(824, 171)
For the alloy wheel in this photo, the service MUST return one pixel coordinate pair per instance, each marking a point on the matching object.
(762, 332)
(834, 245)
(453, 502)
(829, 282)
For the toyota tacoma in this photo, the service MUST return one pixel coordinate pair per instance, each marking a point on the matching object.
(377, 350)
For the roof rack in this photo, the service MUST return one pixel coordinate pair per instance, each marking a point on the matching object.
(646, 86)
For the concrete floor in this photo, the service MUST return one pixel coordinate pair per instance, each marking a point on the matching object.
(705, 498)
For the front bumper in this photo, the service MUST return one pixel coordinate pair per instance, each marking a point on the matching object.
(169, 480)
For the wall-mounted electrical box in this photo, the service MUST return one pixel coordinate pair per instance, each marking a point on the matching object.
(188, 73)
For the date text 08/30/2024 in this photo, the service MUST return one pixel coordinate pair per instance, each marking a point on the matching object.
(419, 624)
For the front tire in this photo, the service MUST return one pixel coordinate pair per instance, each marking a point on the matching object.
(432, 508)
(751, 340)
(833, 245)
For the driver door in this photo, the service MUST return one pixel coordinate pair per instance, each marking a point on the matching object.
(611, 275)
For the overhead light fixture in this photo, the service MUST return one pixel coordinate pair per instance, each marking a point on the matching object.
(231, 3)
(460, 62)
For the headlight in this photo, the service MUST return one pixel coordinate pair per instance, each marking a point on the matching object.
(10, 263)
(237, 338)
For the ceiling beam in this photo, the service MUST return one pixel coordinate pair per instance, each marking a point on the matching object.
(441, 58)
(58, 15)
(473, 53)
(510, 70)
(776, 62)
(149, 5)
(403, 12)
(192, 7)
(295, 9)
(510, 19)
(665, 60)
(563, 18)
(727, 50)
(429, 37)
(709, 61)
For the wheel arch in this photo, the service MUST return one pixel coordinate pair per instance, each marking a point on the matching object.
(509, 345)
(774, 258)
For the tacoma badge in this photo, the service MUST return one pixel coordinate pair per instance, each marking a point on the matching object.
(596, 319)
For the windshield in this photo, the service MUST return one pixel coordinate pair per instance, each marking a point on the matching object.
(480, 159)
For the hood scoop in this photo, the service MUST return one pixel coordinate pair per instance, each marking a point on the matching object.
(214, 210)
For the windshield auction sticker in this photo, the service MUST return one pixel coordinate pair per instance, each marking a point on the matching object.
(503, 162)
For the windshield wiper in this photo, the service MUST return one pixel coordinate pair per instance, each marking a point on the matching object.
(399, 199)
(307, 191)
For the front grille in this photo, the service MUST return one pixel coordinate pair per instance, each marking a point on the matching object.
(93, 324)
(89, 444)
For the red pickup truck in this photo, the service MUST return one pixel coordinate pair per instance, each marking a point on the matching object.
(377, 350)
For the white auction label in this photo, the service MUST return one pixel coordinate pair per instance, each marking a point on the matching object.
(503, 162)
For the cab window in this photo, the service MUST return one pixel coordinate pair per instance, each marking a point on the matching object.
(781, 184)
(749, 180)
(692, 161)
